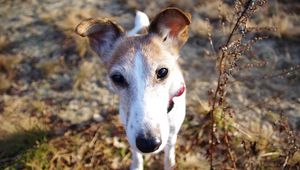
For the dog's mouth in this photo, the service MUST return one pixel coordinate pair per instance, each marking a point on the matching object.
(178, 93)
(171, 105)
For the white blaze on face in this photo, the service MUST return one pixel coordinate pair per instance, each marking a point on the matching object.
(148, 105)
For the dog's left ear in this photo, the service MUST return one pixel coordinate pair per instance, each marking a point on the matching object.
(102, 34)
(172, 25)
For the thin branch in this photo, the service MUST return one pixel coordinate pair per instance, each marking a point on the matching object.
(221, 72)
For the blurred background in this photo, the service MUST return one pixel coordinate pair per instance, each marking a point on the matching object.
(57, 113)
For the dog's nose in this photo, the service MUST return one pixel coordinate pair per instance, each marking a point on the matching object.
(147, 144)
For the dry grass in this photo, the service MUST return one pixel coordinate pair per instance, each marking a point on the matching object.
(3, 42)
(41, 129)
(5, 83)
(86, 71)
(17, 139)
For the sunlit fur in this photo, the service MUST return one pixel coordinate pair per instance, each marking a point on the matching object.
(144, 103)
(145, 98)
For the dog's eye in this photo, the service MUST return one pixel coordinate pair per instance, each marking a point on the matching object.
(162, 73)
(118, 79)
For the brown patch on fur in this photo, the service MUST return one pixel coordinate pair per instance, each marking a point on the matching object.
(124, 50)
(127, 48)
(151, 49)
(91, 26)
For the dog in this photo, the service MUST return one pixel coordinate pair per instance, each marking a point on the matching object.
(143, 71)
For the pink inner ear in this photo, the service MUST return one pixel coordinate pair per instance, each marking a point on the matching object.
(175, 26)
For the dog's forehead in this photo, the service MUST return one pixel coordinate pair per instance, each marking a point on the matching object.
(148, 47)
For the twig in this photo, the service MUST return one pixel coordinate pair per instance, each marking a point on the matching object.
(229, 152)
(270, 154)
(221, 73)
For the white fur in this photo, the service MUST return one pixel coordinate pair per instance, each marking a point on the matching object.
(148, 110)
(141, 21)
(143, 105)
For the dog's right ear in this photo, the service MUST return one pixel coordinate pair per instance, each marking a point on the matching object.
(172, 25)
(102, 34)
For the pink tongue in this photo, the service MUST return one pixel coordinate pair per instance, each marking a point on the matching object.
(178, 93)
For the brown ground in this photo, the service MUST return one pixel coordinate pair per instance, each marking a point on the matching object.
(52, 87)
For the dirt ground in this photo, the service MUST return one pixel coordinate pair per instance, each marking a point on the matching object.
(57, 112)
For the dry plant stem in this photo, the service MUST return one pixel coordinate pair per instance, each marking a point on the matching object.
(229, 152)
(221, 72)
(210, 38)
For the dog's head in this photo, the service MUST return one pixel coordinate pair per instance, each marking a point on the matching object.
(143, 71)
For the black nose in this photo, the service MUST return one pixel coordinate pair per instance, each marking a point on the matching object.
(147, 144)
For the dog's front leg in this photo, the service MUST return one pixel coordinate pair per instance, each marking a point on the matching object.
(169, 162)
(137, 161)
